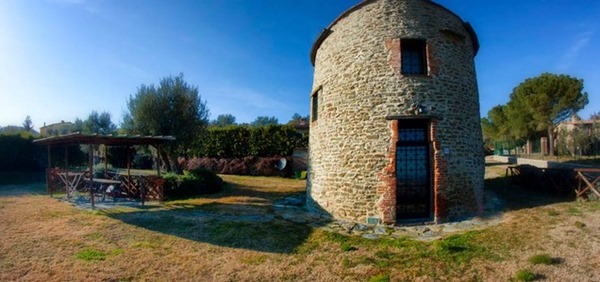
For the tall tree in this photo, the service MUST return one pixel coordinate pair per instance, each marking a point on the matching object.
(173, 108)
(539, 103)
(98, 123)
(28, 124)
(224, 120)
(77, 126)
(596, 137)
(495, 126)
(264, 121)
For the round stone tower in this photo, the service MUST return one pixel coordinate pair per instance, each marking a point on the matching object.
(395, 131)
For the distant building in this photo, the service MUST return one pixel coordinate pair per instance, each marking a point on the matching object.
(56, 128)
(302, 126)
(576, 122)
(565, 130)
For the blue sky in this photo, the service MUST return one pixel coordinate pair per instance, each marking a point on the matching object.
(62, 59)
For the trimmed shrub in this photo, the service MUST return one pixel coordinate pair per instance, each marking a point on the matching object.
(207, 163)
(192, 183)
(267, 166)
(211, 183)
(221, 166)
(234, 166)
(242, 166)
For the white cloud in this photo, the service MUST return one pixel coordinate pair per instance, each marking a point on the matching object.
(568, 58)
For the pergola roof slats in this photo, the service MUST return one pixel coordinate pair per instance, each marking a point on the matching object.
(96, 139)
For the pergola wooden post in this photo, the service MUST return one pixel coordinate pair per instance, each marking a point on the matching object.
(48, 173)
(105, 159)
(91, 163)
(158, 165)
(67, 171)
(158, 160)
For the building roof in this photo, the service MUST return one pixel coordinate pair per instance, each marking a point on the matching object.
(327, 31)
(95, 139)
(58, 124)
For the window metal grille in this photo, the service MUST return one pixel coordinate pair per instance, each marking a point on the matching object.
(413, 56)
(413, 190)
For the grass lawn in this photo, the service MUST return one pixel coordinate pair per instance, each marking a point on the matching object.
(234, 236)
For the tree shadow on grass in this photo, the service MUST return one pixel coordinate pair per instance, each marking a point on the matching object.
(503, 195)
(228, 225)
(22, 183)
(253, 223)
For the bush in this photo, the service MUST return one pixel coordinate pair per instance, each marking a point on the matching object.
(213, 182)
(192, 183)
(242, 166)
(267, 166)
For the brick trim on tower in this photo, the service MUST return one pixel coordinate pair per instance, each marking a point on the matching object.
(440, 172)
(386, 186)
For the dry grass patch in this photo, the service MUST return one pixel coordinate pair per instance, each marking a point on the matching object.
(234, 235)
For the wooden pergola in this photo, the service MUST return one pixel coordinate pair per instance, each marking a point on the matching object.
(72, 180)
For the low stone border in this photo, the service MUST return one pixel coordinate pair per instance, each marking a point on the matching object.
(292, 209)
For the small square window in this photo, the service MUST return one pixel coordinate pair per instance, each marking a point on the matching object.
(413, 56)
(315, 106)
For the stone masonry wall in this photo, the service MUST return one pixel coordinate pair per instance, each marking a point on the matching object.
(357, 75)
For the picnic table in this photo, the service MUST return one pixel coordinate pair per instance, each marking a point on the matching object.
(589, 182)
(71, 180)
(106, 187)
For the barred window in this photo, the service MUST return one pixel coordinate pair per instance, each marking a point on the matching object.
(413, 56)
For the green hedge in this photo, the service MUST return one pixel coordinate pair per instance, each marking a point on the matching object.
(18, 153)
(241, 141)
